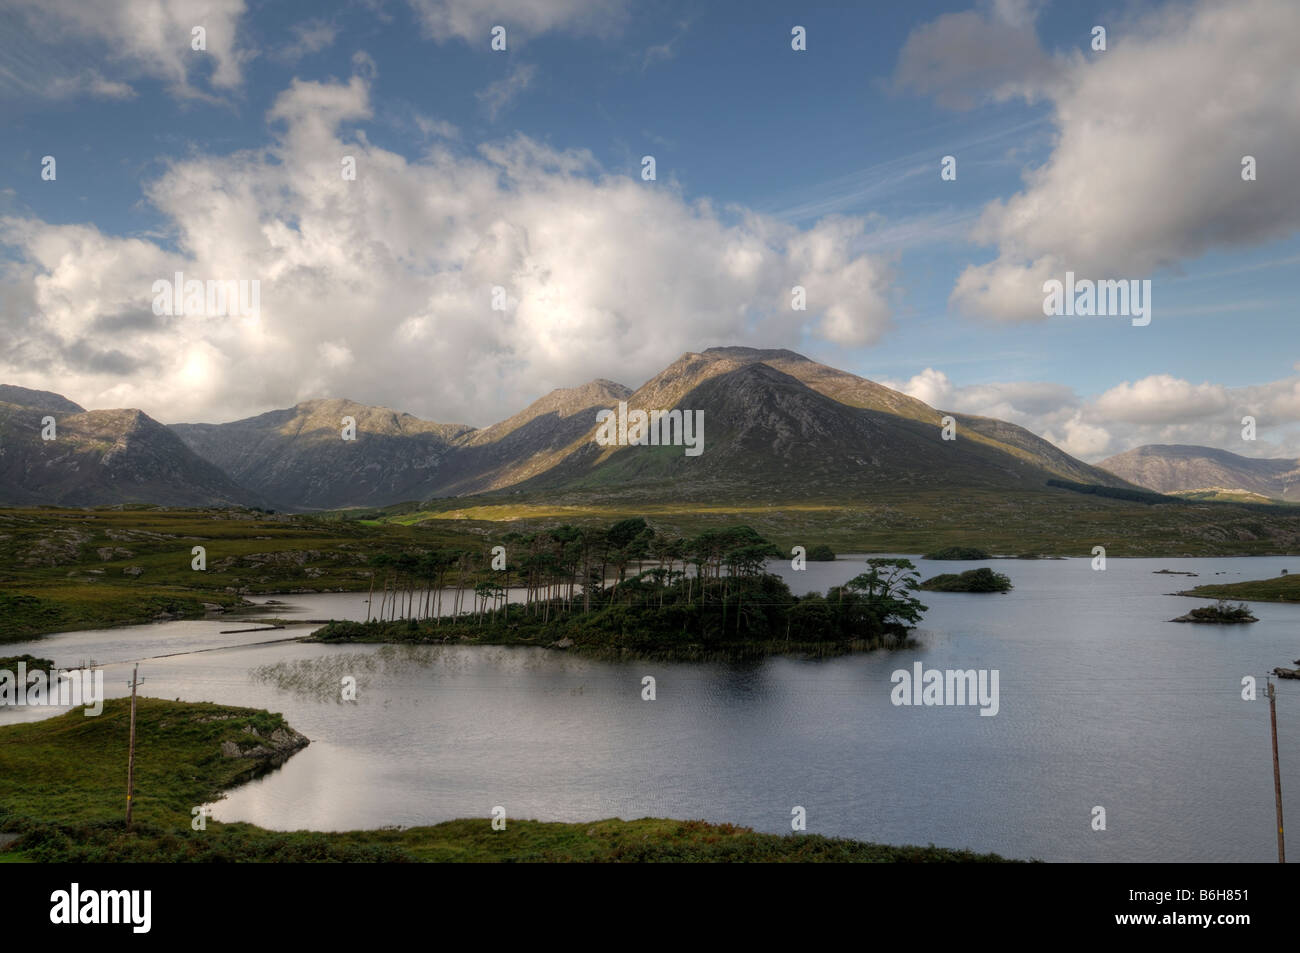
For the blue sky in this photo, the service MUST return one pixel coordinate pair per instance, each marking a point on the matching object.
(819, 165)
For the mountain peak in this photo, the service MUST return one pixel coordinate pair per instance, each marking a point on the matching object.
(38, 399)
(764, 354)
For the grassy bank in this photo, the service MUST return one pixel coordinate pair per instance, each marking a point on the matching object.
(62, 780)
(1278, 589)
(63, 569)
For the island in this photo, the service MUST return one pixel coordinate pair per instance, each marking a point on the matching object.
(973, 580)
(705, 597)
(1220, 614)
(954, 553)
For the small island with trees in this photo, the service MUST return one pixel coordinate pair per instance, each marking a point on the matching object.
(954, 553)
(1220, 613)
(973, 580)
(626, 591)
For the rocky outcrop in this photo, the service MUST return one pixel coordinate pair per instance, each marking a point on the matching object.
(274, 749)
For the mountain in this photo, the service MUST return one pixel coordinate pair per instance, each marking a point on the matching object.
(38, 399)
(776, 426)
(297, 458)
(530, 442)
(1175, 468)
(101, 457)
(779, 425)
(857, 391)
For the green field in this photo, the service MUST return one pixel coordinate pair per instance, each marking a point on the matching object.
(62, 784)
(64, 569)
(1053, 521)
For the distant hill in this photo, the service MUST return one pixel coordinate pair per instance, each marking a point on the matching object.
(298, 458)
(1207, 473)
(102, 457)
(40, 399)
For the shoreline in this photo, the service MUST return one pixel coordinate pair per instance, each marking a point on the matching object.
(178, 770)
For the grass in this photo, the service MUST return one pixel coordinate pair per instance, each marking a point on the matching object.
(1053, 521)
(91, 568)
(62, 784)
(72, 768)
(1278, 589)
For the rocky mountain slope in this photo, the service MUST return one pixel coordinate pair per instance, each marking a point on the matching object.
(1175, 468)
(778, 424)
(299, 459)
(101, 457)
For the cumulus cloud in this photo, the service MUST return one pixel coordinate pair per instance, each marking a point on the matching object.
(472, 20)
(381, 289)
(1159, 408)
(145, 38)
(1146, 168)
(963, 58)
(1162, 399)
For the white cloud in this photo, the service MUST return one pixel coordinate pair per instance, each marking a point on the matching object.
(472, 20)
(380, 289)
(1162, 399)
(963, 58)
(1159, 408)
(146, 38)
(1146, 169)
(930, 386)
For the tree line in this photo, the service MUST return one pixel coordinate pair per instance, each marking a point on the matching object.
(713, 586)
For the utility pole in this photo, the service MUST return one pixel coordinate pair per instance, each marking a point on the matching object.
(130, 758)
(1277, 775)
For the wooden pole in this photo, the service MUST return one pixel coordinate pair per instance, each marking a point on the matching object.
(130, 757)
(1277, 775)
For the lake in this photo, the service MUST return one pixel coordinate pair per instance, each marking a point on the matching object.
(1103, 702)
